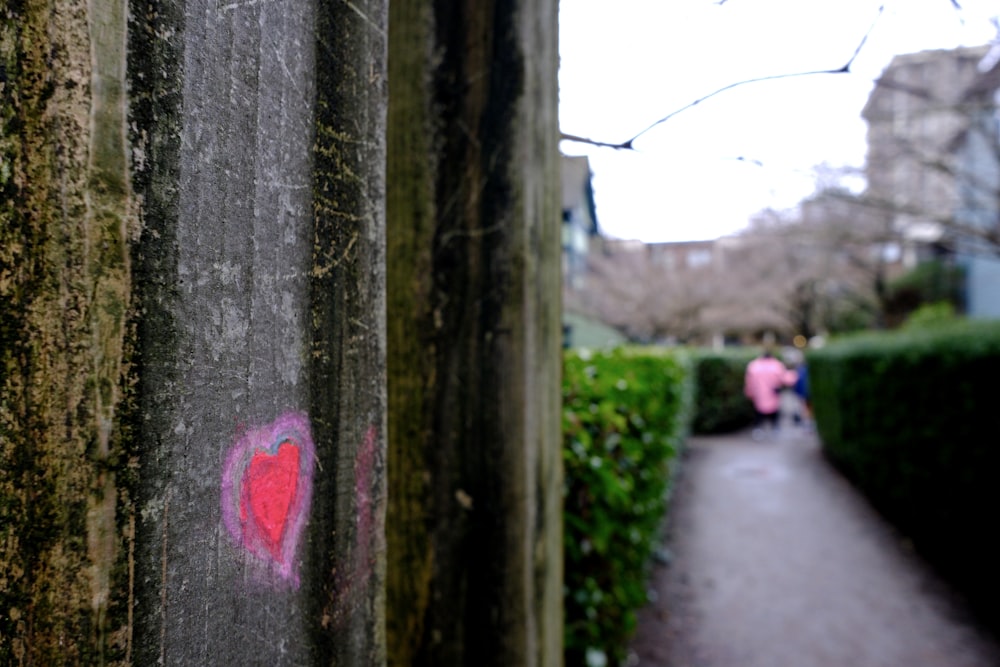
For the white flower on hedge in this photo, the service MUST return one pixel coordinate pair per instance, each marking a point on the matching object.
(596, 658)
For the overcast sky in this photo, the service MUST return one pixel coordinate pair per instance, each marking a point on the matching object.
(701, 174)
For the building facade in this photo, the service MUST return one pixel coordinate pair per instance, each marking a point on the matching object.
(579, 219)
(932, 167)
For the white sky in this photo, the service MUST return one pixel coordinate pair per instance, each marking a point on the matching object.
(628, 63)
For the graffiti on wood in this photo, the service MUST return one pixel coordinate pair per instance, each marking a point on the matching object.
(353, 578)
(267, 489)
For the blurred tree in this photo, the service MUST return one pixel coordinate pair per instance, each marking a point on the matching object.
(784, 275)
(648, 292)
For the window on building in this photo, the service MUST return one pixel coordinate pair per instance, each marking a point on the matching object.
(698, 258)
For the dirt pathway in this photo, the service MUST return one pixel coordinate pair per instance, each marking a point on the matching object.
(777, 562)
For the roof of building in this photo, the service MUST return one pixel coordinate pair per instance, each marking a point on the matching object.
(906, 73)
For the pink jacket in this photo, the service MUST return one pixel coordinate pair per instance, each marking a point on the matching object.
(764, 377)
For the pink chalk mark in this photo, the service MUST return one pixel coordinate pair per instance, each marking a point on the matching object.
(353, 580)
(364, 473)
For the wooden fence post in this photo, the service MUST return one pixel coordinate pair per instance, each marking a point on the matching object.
(262, 413)
(474, 523)
(193, 332)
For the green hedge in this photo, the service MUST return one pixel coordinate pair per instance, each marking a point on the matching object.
(623, 423)
(720, 404)
(911, 418)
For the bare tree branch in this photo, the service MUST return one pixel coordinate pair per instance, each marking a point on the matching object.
(628, 145)
(593, 142)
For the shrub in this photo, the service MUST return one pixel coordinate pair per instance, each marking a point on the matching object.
(908, 417)
(929, 282)
(931, 315)
(720, 405)
(623, 422)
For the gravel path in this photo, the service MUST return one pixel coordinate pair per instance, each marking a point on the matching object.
(777, 562)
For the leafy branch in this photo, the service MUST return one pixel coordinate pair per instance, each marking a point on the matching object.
(628, 145)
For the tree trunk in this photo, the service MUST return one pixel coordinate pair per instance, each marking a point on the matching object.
(474, 518)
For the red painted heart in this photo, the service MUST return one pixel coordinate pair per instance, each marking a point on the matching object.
(267, 489)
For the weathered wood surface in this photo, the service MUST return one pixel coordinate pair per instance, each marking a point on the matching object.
(273, 315)
(473, 272)
(192, 286)
(192, 303)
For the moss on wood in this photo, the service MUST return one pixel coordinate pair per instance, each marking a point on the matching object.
(64, 286)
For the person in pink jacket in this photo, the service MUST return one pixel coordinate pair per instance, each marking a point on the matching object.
(765, 378)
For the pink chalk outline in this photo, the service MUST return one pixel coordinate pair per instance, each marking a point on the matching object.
(265, 449)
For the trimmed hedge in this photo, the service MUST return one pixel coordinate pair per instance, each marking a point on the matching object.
(623, 423)
(910, 418)
(720, 404)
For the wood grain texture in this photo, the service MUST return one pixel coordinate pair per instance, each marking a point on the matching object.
(474, 524)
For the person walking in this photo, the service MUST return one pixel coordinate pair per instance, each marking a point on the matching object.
(765, 378)
(803, 416)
